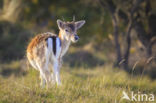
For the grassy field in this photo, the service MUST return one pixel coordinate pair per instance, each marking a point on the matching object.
(101, 84)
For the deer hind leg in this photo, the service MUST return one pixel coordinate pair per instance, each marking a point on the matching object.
(56, 69)
(32, 62)
(38, 67)
(52, 75)
(45, 74)
(43, 65)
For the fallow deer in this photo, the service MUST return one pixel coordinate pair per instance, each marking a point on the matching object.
(45, 51)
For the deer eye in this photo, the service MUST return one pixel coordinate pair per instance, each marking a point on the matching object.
(66, 30)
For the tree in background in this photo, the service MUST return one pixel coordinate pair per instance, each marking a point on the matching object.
(134, 13)
(10, 10)
(13, 35)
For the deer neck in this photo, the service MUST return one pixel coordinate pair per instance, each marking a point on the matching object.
(64, 44)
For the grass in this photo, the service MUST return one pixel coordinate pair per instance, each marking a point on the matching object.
(102, 84)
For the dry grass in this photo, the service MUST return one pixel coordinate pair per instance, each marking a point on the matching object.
(102, 84)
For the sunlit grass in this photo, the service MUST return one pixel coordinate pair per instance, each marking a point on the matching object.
(102, 84)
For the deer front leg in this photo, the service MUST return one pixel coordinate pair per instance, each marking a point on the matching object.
(56, 70)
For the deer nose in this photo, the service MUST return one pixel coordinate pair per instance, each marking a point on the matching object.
(76, 37)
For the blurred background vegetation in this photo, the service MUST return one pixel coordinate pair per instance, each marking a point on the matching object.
(124, 32)
(119, 35)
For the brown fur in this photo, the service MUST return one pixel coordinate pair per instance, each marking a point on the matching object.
(36, 41)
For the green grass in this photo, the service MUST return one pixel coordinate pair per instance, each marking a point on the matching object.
(102, 84)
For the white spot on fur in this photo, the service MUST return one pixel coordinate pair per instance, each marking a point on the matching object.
(58, 47)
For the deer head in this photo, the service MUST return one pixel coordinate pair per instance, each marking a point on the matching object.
(68, 30)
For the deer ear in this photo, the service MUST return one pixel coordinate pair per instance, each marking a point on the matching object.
(79, 24)
(60, 24)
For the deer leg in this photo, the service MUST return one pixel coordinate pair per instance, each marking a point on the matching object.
(51, 71)
(42, 75)
(57, 72)
(44, 72)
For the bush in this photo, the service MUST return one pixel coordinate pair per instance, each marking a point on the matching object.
(13, 40)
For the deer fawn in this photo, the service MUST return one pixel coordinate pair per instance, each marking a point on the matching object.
(45, 51)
